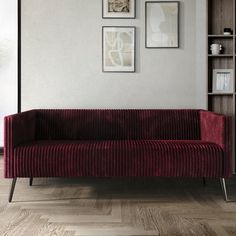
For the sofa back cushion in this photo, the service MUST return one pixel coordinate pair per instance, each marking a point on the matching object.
(117, 124)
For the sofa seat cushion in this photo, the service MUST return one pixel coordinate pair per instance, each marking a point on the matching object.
(192, 158)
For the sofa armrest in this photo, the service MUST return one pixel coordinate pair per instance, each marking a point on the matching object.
(217, 129)
(18, 128)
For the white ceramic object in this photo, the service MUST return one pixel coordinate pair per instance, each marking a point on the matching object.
(216, 48)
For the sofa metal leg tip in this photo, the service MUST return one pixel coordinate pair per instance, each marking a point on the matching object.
(223, 186)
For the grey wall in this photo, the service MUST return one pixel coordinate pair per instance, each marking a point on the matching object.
(8, 60)
(62, 59)
(201, 53)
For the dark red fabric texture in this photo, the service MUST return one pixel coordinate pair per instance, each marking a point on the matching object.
(117, 124)
(44, 143)
(118, 158)
(218, 129)
(18, 129)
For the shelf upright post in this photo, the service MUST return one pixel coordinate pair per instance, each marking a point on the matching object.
(234, 90)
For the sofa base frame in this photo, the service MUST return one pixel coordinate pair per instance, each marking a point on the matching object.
(222, 182)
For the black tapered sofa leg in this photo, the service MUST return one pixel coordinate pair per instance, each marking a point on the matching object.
(13, 184)
(30, 181)
(204, 181)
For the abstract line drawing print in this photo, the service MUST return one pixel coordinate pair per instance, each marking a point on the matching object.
(119, 49)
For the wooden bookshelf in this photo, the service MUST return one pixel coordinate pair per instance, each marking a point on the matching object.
(221, 14)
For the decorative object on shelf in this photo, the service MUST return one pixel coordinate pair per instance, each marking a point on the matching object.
(162, 24)
(216, 48)
(228, 31)
(118, 48)
(118, 9)
(222, 81)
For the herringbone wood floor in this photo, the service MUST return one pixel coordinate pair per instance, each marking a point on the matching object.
(112, 207)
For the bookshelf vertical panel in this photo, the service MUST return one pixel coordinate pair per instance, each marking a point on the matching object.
(221, 15)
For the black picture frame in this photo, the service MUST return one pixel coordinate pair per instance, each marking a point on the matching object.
(134, 50)
(146, 24)
(119, 15)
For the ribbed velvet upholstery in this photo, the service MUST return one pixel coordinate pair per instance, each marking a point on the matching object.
(117, 124)
(60, 143)
(18, 129)
(218, 129)
(118, 158)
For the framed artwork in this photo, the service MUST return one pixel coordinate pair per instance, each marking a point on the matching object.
(118, 51)
(162, 24)
(118, 8)
(222, 81)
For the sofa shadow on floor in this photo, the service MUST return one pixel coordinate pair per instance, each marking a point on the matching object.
(51, 189)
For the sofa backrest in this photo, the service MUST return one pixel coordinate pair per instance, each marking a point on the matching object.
(117, 124)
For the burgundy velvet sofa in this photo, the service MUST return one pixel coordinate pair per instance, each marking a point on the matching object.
(117, 143)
